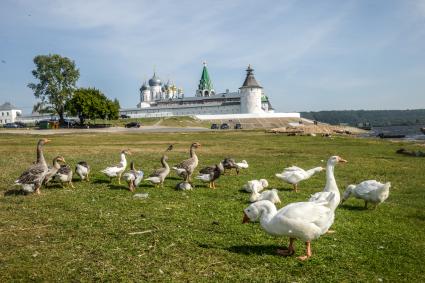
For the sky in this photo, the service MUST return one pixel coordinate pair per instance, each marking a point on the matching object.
(308, 55)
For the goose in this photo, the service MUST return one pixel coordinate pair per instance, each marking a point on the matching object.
(229, 164)
(369, 191)
(305, 221)
(83, 170)
(54, 169)
(185, 168)
(117, 170)
(64, 175)
(133, 177)
(293, 175)
(159, 175)
(331, 186)
(32, 178)
(255, 185)
(270, 195)
(243, 164)
(184, 186)
(210, 174)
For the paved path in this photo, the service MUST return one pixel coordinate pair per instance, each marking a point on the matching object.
(143, 129)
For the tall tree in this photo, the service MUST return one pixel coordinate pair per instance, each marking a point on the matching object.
(91, 103)
(57, 77)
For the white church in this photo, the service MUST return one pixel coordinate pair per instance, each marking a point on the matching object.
(161, 100)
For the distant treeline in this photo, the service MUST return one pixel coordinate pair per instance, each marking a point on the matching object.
(366, 117)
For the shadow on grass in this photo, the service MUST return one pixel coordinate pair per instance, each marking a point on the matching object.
(117, 187)
(15, 192)
(250, 249)
(174, 178)
(101, 181)
(350, 207)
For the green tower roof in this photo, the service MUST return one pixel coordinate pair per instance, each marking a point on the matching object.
(205, 82)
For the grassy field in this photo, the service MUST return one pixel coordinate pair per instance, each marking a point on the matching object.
(88, 233)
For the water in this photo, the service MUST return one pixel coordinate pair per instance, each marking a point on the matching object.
(411, 132)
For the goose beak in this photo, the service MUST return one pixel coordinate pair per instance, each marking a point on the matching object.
(47, 140)
(342, 160)
(245, 218)
(63, 160)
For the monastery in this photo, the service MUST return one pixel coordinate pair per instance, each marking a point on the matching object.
(162, 100)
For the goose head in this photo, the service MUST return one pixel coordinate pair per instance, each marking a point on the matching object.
(126, 152)
(347, 193)
(43, 141)
(59, 159)
(195, 145)
(333, 160)
(251, 213)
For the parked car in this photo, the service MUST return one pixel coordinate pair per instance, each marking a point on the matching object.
(132, 125)
(123, 116)
(238, 126)
(11, 125)
(224, 126)
(214, 127)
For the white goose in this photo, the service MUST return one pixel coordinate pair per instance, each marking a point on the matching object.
(243, 164)
(270, 195)
(305, 221)
(117, 170)
(331, 186)
(293, 175)
(255, 185)
(369, 191)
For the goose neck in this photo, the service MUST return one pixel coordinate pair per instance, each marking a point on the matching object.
(267, 212)
(40, 154)
(330, 179)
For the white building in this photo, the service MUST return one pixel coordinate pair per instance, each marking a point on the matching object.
(9, 113)
(157, 101)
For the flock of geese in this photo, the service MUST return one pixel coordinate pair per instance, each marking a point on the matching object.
(305, 221)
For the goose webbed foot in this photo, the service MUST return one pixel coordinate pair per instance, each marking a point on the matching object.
(308, 252)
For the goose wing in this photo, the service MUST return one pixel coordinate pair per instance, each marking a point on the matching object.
(33, 174)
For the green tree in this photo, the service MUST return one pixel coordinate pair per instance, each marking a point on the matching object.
(57, 77)
(91, 103)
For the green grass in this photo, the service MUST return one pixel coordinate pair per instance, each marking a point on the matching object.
(84, 234)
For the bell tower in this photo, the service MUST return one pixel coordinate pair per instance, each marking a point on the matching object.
(205, 87)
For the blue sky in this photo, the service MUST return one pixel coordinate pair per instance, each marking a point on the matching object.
(308, 55)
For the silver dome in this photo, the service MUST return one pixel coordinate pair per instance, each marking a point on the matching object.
(155, 81)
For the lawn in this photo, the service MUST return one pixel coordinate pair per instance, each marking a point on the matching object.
(99, 231)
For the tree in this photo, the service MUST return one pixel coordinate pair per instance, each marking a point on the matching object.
(91, 103)
(57, 77)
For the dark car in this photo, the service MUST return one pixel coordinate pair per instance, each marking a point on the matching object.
(10, 125)
(124, 116)
(214, 126)
(238, 126)
(21, 124)
(132, 125)
(224, 126)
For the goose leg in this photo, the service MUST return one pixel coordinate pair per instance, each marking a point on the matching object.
(72, 185)
(308, 251)
(37, 189)
(287, 251)
(88, 180)
(119, 178)
(296, 187)
(213, 185)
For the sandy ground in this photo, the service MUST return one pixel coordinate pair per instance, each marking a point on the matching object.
(143, 129)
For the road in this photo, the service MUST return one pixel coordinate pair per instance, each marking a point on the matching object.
(143, 129)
